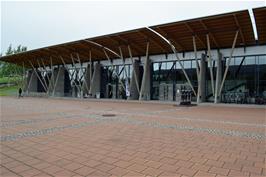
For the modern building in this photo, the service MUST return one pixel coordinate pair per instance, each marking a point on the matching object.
(220, 58)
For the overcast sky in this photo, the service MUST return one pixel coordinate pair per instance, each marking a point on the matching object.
(40, 24)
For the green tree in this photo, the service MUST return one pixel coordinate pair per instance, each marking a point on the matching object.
(10, 69)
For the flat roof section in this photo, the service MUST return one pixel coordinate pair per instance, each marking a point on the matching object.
(221, 29)
(260, 17)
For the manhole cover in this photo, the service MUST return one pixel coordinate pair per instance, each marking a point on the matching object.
(108, 115)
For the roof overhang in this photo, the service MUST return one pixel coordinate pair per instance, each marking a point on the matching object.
(260, 18)
(221, 29)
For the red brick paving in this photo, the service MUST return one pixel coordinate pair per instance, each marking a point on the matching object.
(118, 148)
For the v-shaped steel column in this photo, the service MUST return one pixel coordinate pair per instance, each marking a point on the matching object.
(197, 69)
(133, 68)
(107, 56)
(229, 61)
(211, 63)
(143, 88)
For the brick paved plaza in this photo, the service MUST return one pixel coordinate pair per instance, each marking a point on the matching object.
(60, 137)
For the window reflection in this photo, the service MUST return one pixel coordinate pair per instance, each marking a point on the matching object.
(246, 74)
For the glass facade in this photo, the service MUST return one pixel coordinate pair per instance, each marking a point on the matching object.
(114, 87)
(170, 74)
(245, 81)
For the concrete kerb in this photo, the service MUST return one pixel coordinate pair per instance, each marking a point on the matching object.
(162, 102)
(173, 103)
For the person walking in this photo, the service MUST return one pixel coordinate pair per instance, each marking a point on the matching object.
(19, 92)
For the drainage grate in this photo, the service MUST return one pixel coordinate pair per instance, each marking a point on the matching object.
(108, 115)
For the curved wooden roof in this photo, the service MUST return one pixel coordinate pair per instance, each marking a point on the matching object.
(221, 29)
(260, 17)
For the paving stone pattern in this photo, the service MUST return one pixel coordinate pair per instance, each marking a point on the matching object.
(57, 137)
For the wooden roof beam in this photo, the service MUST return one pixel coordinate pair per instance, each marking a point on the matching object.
(240, 30)
(91, 48)
(59, 52)
(103, 48)
(80, 51)
(108, 45)
(123, 43)
(26, 64)
(18, 60)
(55, 53)
(211, 34)
(43, 56)
(193, 34)
(132, 45)
(67, 56)
(117, 43)
(71, 51)
(35, 56)
(50, 53)
(154, 41)
(170, 38)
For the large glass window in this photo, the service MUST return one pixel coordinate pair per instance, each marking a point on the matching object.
(193, 64)
(262, 60)
(169, 65)
(246, 81)
(238, 60)
(187, 64)
(250, 60)
(246, 76)
(167, 74)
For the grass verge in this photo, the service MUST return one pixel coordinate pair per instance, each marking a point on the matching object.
(9, 91)
(10, 79)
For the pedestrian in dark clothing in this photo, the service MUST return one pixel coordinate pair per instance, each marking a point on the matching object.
(19, 92)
